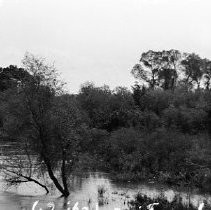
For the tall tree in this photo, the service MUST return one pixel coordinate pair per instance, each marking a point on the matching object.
(168, 73)
(158, 69)
(193, 69)
(207, 73)
(148, 68)
(49, 122)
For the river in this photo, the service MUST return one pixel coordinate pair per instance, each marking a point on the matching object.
(89, 189)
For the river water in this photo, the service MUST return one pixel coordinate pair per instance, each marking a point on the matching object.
(91, 189)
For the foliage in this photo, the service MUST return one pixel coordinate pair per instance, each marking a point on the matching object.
(158, 69)
(169, 69)
(49, 122)
(159, 131)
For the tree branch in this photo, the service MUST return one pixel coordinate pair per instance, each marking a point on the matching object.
(28, 178)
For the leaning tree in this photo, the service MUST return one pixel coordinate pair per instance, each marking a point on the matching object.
(47, 125)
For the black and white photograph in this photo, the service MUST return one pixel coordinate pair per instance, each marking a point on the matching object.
(105, 104)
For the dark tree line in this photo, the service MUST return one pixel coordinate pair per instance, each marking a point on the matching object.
(159, 130)
(168, 69)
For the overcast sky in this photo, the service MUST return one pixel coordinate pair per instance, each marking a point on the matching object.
(101, 40)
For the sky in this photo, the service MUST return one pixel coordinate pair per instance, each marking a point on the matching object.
(101, 40)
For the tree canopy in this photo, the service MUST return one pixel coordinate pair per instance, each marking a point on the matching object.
(168, 69)
(160, 129)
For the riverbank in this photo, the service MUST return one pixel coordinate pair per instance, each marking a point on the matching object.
(95, 187)
(190, 179)
(170, 181)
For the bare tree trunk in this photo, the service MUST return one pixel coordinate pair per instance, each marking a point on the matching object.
(64, 177)
(64, 190)
(53, 178)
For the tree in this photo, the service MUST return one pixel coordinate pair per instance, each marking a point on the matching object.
(137, 93)
(95, 101)
(207, 73)
(147, 69)
(47, 120)
(11, 76)
(158, 69)
(193, 69)
(169, 71)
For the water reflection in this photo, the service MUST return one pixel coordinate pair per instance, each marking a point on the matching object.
(89, 189)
